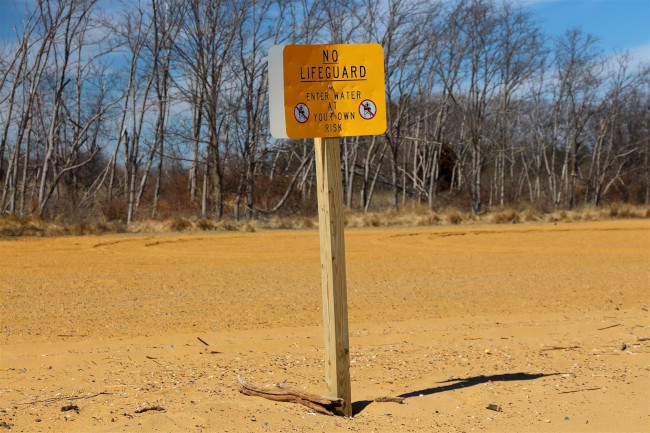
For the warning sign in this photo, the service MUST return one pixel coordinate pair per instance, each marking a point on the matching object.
(327, 90)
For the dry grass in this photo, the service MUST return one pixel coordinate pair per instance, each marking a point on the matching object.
(289, 223)
(454, 217)
(11, 226)
(506, 216)
(593, 213)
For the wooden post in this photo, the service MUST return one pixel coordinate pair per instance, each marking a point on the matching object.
(332, 257)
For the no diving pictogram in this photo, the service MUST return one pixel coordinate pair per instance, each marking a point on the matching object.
(301, 112)
(367, 109)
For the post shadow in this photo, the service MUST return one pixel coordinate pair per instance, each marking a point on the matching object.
(458, 383)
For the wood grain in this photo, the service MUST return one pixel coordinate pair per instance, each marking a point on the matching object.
(332, 255)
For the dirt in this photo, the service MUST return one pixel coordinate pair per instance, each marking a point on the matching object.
(504, 328)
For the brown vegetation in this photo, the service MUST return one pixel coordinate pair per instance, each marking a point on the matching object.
(11, 226)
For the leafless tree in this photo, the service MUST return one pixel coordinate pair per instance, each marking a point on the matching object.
(205, 45)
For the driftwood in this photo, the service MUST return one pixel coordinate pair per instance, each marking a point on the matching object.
(494, 407)
(399, 400)
(281, 392)
(559, 348)
(148, 408)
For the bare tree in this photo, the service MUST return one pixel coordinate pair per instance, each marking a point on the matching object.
(520, 49)
(165, 17)
(205, 44)
(75, 111)
(252, 77)
(579, 66)
(134, 30)
(398, 30)
(613, 140)
(15, 73)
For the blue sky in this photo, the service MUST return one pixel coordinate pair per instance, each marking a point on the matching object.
(618, 24)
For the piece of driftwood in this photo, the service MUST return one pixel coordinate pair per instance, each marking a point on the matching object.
(399, 400)
(281, 392)
(579, 390)
(559, 348)
(494, 407)
(148, 408)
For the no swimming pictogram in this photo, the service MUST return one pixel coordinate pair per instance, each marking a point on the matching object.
(367, 109)
(301, 112)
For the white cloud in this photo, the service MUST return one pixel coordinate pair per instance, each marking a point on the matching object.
(637, 57)
(534, 2)
(640, 55)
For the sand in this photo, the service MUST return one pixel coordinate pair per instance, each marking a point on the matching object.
(548, 323)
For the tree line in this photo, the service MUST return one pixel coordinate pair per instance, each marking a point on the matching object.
(160, 107)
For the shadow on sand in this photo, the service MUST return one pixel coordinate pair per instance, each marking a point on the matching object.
(457, 383)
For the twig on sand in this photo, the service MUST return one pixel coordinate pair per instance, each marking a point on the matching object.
(579, 390)
(148, 408)
(559, 348)
(607, 327)
(281, 392)
(202, 341)
(153, 358)
(399, 400)
(53, 399)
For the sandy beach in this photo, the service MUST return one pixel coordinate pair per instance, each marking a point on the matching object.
(503, 328)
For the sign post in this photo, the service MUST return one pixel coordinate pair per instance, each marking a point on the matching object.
(332, 259)
(325, 92)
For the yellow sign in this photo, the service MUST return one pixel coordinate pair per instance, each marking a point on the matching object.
(334, 90)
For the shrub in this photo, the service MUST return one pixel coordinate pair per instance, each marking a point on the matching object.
(429, 219)
(506, 216)
(226, 225)
(205, 224)
(247, 227)
(179, 224)
(454, 217)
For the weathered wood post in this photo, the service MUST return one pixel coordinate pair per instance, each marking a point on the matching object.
(332, 258)
(325, 92)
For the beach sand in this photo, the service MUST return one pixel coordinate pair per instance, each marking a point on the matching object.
(546, 323)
